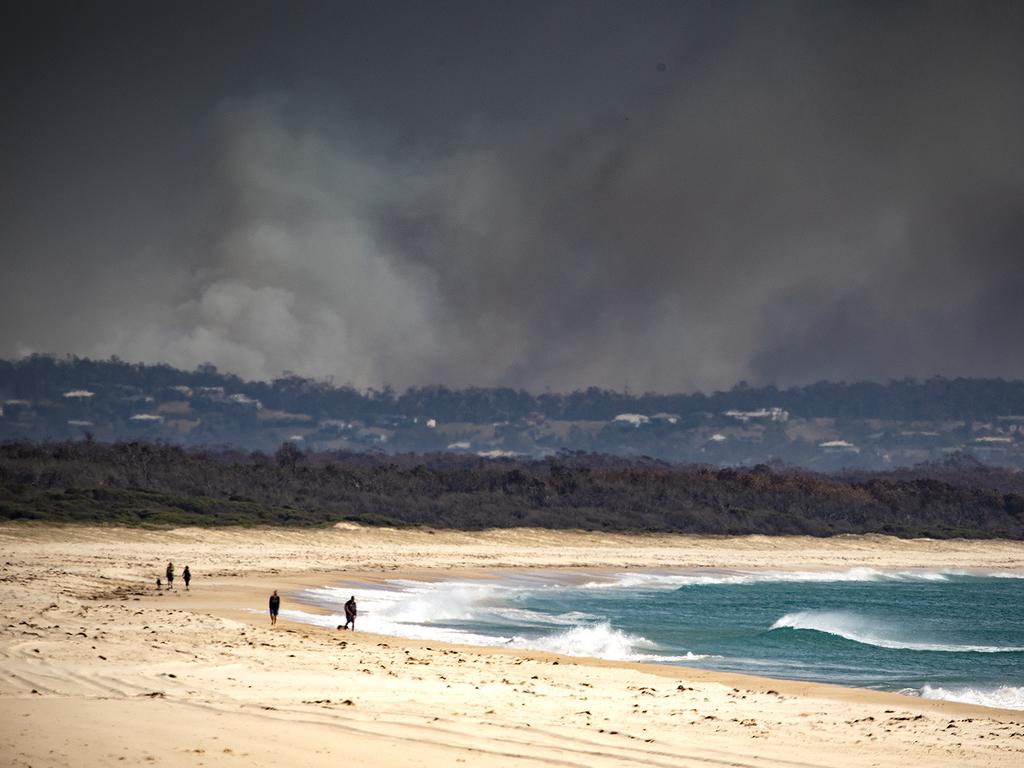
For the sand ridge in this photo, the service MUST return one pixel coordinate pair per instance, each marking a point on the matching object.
(100, 668)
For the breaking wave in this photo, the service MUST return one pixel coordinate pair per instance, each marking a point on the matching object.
(603, 615)
(433, 611)
(600, 641)
(677, 580)
(866, 631)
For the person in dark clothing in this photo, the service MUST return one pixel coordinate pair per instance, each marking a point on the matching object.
(170, 575)
(275, 606)
(187, 576)
(350, 613)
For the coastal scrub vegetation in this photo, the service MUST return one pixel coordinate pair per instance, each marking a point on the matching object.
(140, 483)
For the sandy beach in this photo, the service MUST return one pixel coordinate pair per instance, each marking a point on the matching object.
(100, 668)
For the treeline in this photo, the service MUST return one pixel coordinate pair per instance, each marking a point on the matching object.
(140, 483)
(40, 376)
(958, 469)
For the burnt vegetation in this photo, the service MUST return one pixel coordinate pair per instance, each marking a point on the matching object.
(153, 484)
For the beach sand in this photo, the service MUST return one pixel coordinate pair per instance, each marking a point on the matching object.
(101, 669)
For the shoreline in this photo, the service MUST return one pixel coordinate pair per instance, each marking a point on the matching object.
(184, 677)
(665, 669)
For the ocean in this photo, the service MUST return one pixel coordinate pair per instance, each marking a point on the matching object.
(953, 635)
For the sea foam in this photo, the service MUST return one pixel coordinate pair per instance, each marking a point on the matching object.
(1003, 696)
(600, 641)
(498, 612)
(434, 611)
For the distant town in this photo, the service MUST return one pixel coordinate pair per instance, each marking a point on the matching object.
(824, 426)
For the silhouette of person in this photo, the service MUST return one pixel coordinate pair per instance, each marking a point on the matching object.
(350, 613)
(170, 575)
(186, 575)
(275, 606)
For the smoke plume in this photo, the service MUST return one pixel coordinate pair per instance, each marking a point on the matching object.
(668, 202)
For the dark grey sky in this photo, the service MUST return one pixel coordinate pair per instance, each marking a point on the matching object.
(667, 196)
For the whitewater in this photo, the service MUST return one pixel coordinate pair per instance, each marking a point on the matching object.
(955, 635)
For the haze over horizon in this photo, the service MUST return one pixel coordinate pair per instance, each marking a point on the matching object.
(670, 197)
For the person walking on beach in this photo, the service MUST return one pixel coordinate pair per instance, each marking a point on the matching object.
(350, 613)
(170, 575)
(275, 606)
(187, 576)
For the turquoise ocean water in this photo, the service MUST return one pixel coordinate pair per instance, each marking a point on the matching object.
(939, 634)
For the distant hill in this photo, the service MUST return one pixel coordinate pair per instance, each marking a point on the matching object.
(824, 426)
